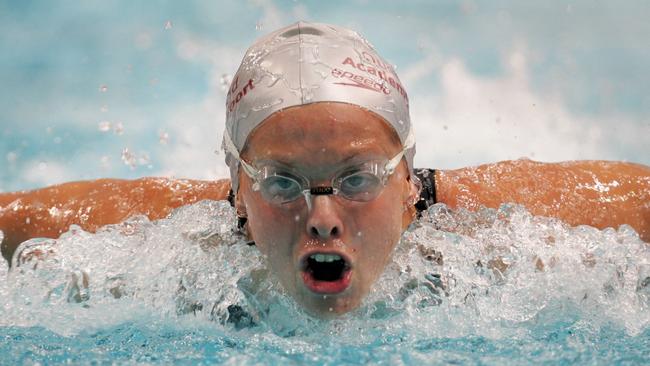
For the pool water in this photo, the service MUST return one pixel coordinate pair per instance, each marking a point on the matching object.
(493, 287)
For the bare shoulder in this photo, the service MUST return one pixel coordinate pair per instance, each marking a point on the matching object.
(597, 193)
(48, 212)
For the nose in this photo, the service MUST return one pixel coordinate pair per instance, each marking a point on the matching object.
(324, 221)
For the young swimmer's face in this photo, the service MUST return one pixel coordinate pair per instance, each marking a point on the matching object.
(327, 256)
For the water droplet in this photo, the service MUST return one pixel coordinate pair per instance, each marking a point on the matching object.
(28, 220)
(104, 126)
(105, 162)
(297, 218)
(118, 129)
(11, 157)
(225, 81)
(163, 138)
(259, 26)
(168, 25)
(144, 159)
(103, 88)
(42, 165)
(104, 108)
(128, 158)
(258, 108)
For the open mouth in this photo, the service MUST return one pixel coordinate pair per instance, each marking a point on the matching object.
(326, 273)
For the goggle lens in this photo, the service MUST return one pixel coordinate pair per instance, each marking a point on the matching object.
(361, 186)
(280, 189)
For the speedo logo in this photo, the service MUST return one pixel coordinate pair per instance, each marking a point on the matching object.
(235, 95)
(359, 81)
(374, 71)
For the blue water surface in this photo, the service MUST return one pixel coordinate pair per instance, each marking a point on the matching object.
(164, 343)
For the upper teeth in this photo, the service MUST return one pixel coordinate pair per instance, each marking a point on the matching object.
(325, 257)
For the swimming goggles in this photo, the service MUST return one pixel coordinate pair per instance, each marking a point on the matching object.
(280, 184)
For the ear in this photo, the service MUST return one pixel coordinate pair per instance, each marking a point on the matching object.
(240, 207)
(410, 196)
(414, 188)
(239, 204)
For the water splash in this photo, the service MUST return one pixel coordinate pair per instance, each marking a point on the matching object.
(492, 277)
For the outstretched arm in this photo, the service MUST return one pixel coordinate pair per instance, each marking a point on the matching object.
(50, 211)
(597, 193)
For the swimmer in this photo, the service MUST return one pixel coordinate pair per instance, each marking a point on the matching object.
(320, 148)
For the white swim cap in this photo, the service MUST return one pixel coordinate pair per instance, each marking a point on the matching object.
(307, 63)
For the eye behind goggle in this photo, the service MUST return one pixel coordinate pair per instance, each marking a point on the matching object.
(280, 188)
(360, 186)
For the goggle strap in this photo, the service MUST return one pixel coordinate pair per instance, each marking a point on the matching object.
(408, 143)
(392, 163)
(229, 146)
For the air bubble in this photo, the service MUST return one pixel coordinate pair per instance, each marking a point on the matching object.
(103, 88)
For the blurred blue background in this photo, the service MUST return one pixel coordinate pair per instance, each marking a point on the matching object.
(132, 88)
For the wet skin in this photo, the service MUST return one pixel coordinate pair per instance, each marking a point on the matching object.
(317, 140)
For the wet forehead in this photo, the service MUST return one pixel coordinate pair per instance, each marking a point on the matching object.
(322, 134)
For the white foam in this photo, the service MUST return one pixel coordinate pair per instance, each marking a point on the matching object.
(495, 273)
